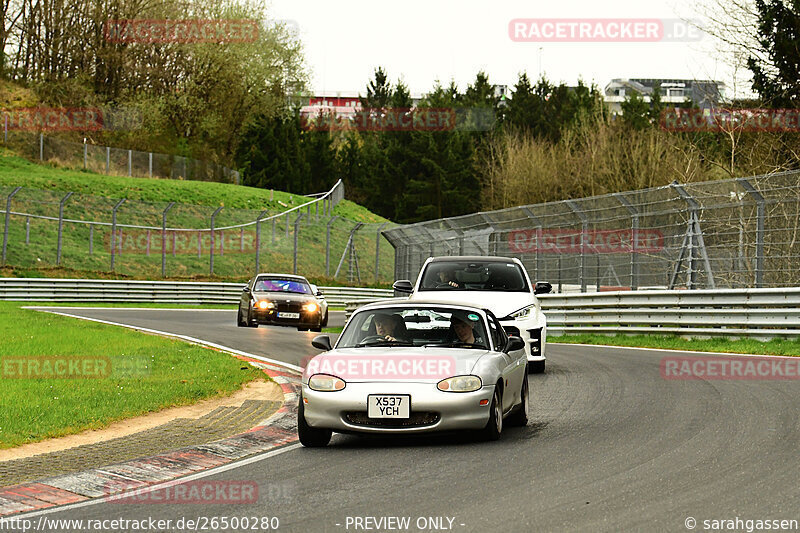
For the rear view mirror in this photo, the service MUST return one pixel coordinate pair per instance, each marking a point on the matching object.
(322, 342)
(403, 285)
(542, 287)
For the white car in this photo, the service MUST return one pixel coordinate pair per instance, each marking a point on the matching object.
(499, 284)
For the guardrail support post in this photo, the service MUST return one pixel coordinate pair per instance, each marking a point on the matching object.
(378, 248)
(114, 231)
(258, 238)
(61, 226)
(5, 227)
(164, 240)
(328, 248)
(634, 239)
(211, 253)
(584, 234)
(296, 232)
(760, 214)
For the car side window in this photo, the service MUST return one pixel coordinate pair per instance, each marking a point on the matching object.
(498, 335)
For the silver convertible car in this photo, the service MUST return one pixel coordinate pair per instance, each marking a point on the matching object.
(413, 367)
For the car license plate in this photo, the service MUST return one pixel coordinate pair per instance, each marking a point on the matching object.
(288, 315)
(387, 406)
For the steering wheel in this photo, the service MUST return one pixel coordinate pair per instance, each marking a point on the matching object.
(445, 284)
(370, 338)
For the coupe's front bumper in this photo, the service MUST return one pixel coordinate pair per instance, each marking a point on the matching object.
(532, 332)
(431, 409)
(270, 317)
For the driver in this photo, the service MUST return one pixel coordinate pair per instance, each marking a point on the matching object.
(387, 327)
(447, 276)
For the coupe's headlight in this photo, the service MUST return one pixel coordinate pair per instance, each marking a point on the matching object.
(460, 384)
(264, 304)
(325, 383)
(310, 307)
(523, 313)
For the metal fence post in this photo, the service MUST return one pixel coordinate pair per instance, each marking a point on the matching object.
(85, 155)
(164, 240)
(273, 230)
(108, 160)
(296, 232)
(5, 129)
(130, 163)
(760, 214)
(114, 231)
(61, 226)
(211, 254)
(530, 215)
(584, 234)
(150, 164)
(41, 147)
(258, 238)
(634, 239)
(694, 239)
(91, 239)
(287, 225)
(328, 248)
(27, 230)
(5, 227)
(378, 248)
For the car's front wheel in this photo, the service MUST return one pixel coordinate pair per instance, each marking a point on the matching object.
(240, 321)
(520, 416)
(325, 320)
(494, 427)
(310, 437)
(536, 367)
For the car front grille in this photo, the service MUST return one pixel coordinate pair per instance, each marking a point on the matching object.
(292, 307)
(417, 419)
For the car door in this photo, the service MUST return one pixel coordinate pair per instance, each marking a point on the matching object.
(511, 379)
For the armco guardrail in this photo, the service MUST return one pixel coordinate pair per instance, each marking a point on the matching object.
(98, 290)
(760, 313)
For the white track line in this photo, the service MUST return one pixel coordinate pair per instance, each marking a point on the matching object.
(669, 350)
(143, 490)
(176, 336)
(85, 308)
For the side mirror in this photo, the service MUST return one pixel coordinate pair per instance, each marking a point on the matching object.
(403, 285)
(514, 343)
(315, 290)
(542, 287)
(323, 342)
(246, 289)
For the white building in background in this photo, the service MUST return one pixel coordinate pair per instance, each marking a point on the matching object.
(705, 94)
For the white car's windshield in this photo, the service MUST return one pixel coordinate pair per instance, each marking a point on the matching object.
(417, 326)
(473, 276)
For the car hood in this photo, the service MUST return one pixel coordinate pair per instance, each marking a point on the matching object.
(499, 303)
(282, 296)
(397, 364)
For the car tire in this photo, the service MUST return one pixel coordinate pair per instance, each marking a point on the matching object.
(494, 427)
(250, 322)
(520, 416)
(536, 367)
(325, 320)
(240, 319)
(310, 437)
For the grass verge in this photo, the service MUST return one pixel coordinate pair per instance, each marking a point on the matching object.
(148, 373)
(664, 342)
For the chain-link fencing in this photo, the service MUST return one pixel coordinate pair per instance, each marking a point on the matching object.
(733, 233)
(165, 239)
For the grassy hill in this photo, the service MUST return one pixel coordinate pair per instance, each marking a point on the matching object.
(95, 195)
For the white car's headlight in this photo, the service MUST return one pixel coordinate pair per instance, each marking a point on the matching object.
(325, 383)
(523, 313)
(460, 384)
(264, 304)
(310, 307)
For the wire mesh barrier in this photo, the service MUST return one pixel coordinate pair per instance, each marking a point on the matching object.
(160, 239)
(734, 233)
(117, 161)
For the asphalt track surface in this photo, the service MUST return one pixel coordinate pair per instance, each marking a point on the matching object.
(611, 446)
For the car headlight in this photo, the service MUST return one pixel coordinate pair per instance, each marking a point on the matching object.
(325, 383)
(460, 384)
(310, 307)
(523, 313)
(264, 304)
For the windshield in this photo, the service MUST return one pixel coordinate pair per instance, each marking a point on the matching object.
(474, 276)
(415, 326)
(281, 285)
